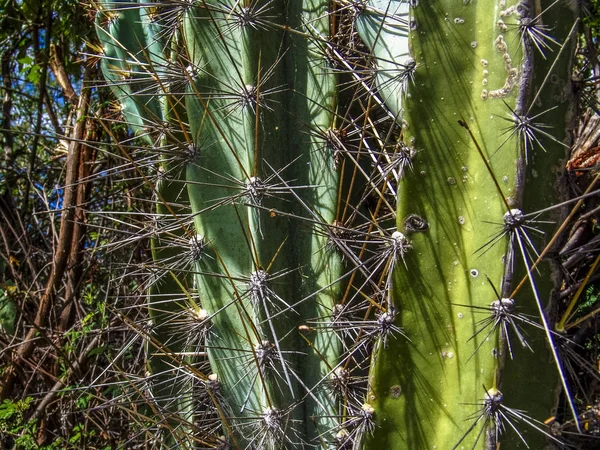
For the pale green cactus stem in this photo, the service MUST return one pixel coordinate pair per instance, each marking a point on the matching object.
(245, 279)
(260, 100)
(383, 26)
(244, 90)
(313, 103)
(471, 68)
(244, 246)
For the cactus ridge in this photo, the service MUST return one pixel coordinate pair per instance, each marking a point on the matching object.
(337, 199)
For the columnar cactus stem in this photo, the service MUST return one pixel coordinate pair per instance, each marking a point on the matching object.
(255, 73)
(473, 78)
(134, 58)
(314, 102)
(245, 137)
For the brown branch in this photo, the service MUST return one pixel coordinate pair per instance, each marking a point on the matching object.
(58, 69)
(52, 114)
(75, 258)
(76, 366)
(64, 240)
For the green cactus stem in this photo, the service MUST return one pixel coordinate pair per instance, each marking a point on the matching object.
(472, 78)
(253, 74)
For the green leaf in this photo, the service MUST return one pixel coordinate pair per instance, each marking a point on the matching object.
(35, 73)
(8, 313)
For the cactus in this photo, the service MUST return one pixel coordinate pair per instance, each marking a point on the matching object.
(281, 261)
(133, 50)
(469, 114)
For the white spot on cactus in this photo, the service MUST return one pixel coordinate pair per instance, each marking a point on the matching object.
(342, 436)
(212, 383)
(254, 191)
(459, 20)
(340, 376)
(512, 78)
(462, 220)
(500, 43)
(474, 273)
(502, 307)
(199, 315)
(460, 315)
(191, 71)
(398, 237)
(385, 326)
(273, 423)
(509, 11)
(513, 218)
(474, 44)
(484, 62)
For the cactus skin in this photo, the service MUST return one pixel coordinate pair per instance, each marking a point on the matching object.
(426, 393)
(438, 380)
(243, 239)
(520, 384)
